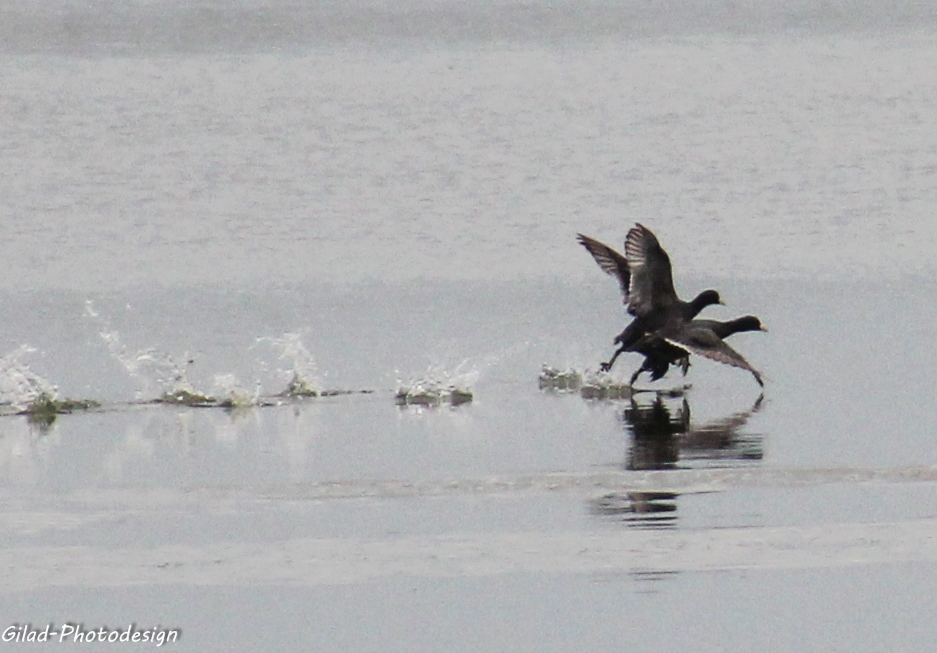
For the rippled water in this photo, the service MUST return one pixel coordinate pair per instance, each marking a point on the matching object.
(467, 162)
(236, 199)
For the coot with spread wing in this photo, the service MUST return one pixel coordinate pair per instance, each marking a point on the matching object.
(646, 279)
(703, 337)
(663, 329)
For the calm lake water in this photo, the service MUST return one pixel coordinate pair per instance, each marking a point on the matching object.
(230, 197)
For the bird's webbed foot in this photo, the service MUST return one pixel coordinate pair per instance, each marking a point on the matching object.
(605, 367)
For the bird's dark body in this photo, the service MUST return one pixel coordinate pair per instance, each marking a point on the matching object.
(698, 336)
(664, 329)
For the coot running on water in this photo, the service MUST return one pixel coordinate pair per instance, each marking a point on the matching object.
(646, 280)
(704, 337)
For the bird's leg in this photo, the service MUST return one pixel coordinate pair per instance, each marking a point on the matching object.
(643, 368)
(605, 367)
(684, 364)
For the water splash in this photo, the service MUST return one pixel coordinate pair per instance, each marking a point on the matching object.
(587, 382)
(302, 377)
(20, 387)
(228, 391)
(551, 378)
(159, 373)
(438, 386)
(602, 385)
(591, 384)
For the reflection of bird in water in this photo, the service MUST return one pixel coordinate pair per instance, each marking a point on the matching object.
(642, 509)
(653, 429)
(663, 329)
(720, 439)
(646, 281)
(660, 437)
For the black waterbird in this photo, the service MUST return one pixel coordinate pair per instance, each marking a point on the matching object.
(663, 329)
(703, 337)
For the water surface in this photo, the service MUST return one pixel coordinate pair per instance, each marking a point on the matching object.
(231, 197)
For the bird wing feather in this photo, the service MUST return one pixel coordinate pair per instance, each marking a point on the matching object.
(703, 342)
(611, 262)
(651, 285)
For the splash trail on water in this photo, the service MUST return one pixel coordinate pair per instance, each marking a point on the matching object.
(157, 372)
(20, 386)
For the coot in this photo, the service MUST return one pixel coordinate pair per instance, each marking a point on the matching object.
(704, 337)
(704, 342)
(646, 280)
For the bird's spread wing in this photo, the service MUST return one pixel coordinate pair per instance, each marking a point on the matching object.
(651, 285)
(610, 261)
(704, 342)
